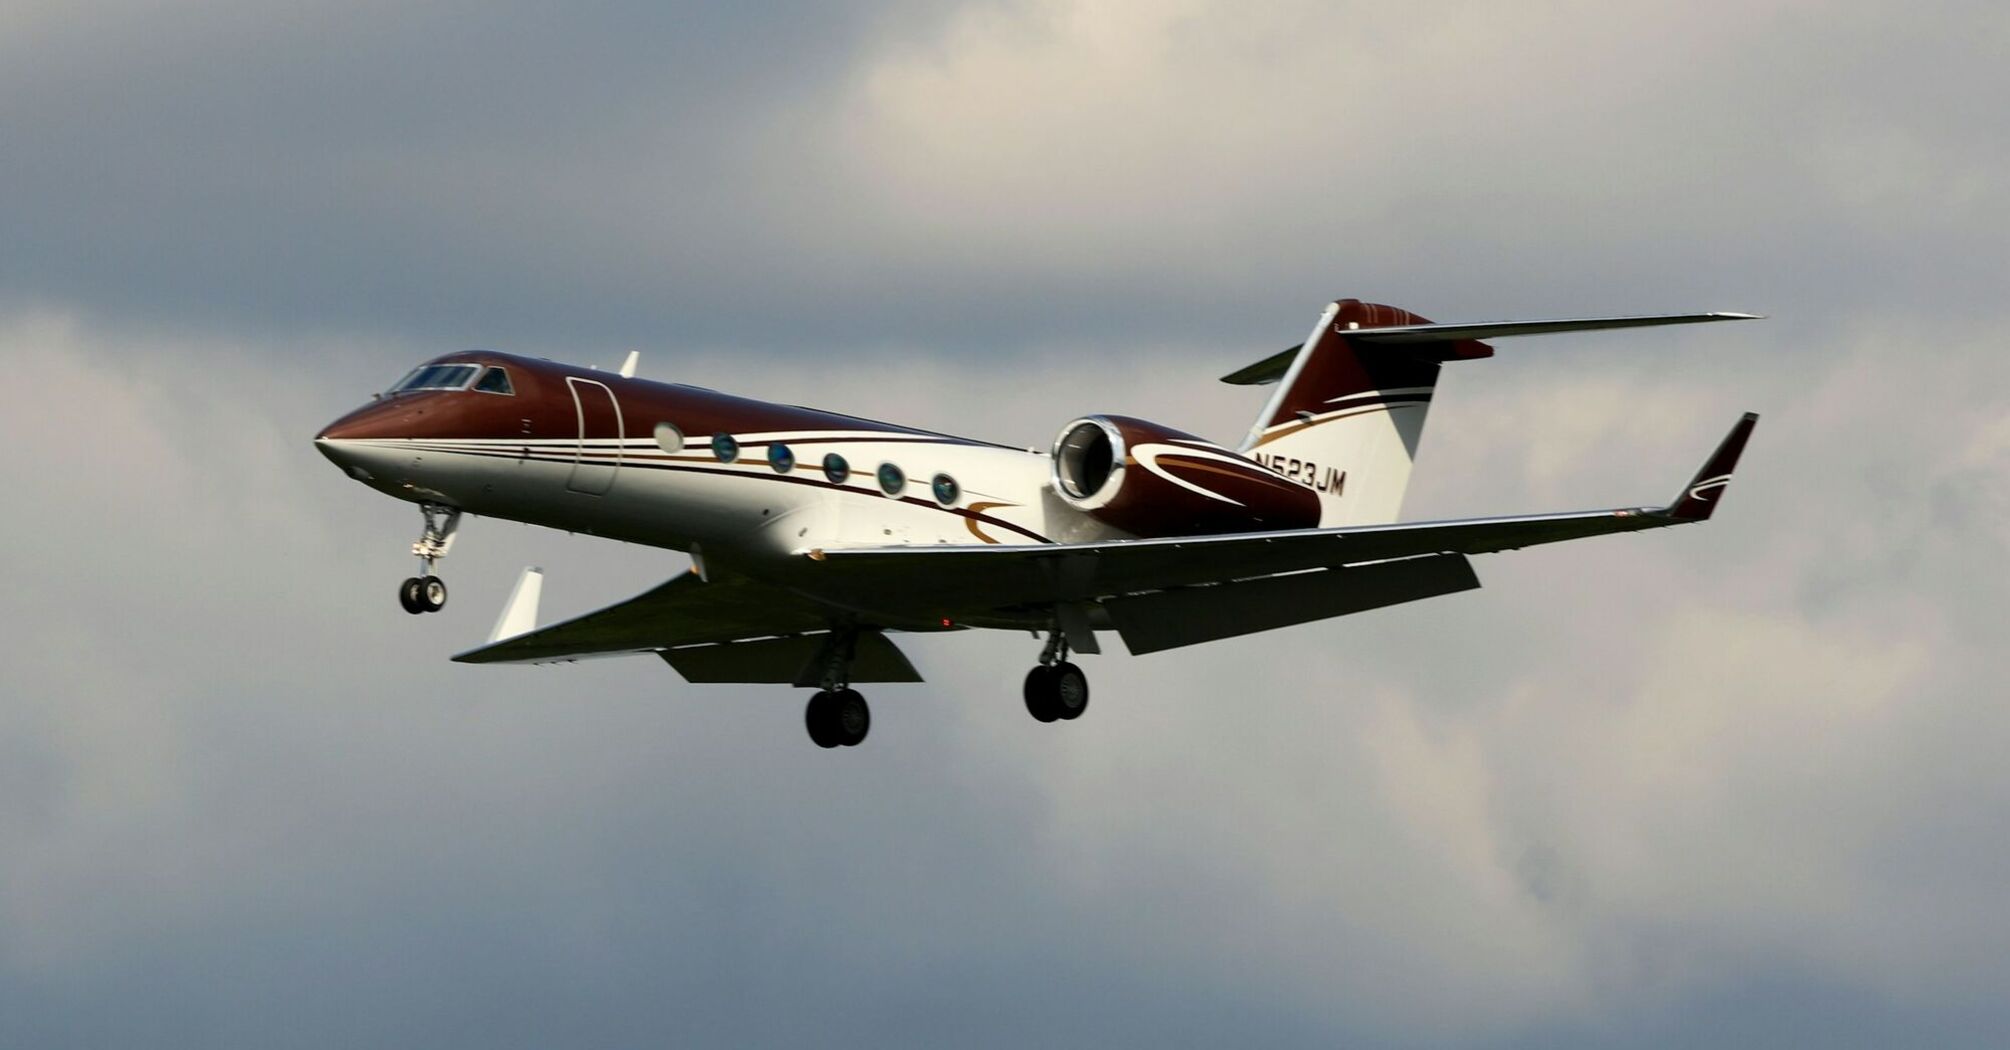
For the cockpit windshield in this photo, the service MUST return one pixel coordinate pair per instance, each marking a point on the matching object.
(437, 377)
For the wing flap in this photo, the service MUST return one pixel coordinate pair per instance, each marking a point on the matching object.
(793, 660)
(1149, 623)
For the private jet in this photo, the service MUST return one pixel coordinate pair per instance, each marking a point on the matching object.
(814, 537)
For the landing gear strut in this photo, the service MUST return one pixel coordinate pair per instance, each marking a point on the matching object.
(1056, 689)
(426, 592)
(837, 716)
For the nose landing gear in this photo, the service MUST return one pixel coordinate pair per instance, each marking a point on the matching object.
(1056, 689)
(426, 592)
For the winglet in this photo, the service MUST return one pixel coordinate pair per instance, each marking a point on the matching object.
(519, 615)
(628, 366)
(1706, 489)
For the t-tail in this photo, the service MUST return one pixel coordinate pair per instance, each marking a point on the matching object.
(1350, 403)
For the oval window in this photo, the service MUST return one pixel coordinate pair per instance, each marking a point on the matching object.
(891, 479)
(780, 458)
(724, 447)
(835, 468)
(669, 438)
(946, 490)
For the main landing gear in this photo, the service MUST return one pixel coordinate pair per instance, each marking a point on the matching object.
(426, 592)
(837, 716)
(1056, 689)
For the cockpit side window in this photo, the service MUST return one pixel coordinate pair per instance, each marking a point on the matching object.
(437, 377)
(494, 381)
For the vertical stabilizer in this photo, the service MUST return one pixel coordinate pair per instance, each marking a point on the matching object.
(1347, 416)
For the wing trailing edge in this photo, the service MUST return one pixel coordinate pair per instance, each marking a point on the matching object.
(1149, 623)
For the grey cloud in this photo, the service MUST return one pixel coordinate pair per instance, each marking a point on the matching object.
(254, 802)
(974, 178)
(469, 168)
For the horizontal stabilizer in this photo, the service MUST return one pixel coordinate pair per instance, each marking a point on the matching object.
(1272, 368)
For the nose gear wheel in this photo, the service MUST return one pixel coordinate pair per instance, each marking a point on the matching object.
(422, 594)
(426, 592)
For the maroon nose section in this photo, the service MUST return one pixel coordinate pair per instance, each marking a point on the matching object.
(378, 419)
(329, 442)
(344, 428)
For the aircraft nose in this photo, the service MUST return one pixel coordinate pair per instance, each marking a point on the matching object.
(339, 441)
(329, 447)
(349, 427)
(330, 444)
(365, 442)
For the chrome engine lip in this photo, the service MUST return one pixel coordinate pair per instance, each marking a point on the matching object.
(1119, 453)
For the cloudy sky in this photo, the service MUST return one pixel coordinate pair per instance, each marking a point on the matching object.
(1740, 784)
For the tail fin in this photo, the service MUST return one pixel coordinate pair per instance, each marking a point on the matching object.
(1346, 418)
(1349, 410)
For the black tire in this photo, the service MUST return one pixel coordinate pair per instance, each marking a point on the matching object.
(1040, 700)
(410, 595)
(819, 718)
(432, 593)
(851, 715)
(1070, 690)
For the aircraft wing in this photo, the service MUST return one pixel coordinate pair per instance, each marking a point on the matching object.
(1158, 593)
(685, 611)
(972, 577)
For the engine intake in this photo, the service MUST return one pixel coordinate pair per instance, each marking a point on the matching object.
(1151, 480)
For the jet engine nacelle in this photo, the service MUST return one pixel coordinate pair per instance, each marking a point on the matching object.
(1151, 480)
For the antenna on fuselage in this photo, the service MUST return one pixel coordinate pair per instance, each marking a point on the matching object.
(628, 366)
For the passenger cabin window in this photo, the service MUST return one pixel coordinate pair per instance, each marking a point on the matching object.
(836, 469)
(437, 377)
(725, 448)
(494, 381)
